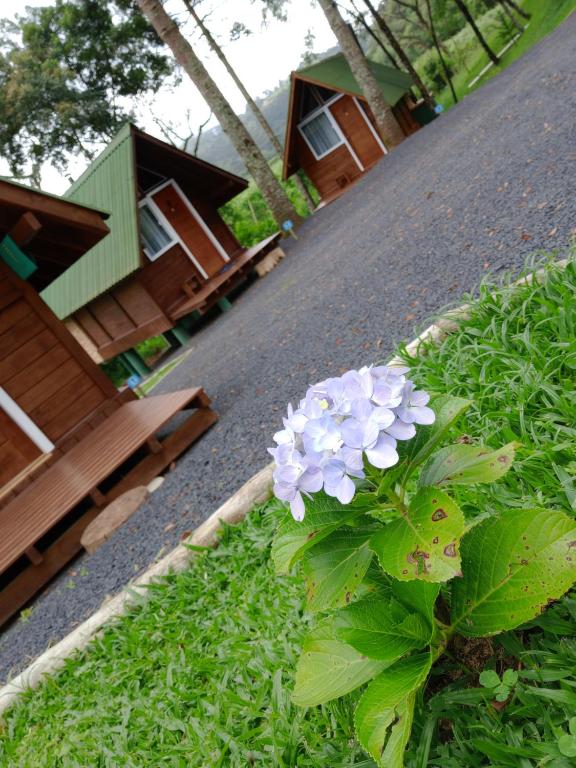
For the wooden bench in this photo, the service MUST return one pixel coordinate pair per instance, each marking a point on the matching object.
(76, 477)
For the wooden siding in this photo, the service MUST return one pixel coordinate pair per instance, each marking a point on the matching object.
(121, 318)
(165, 279)
(354, 127)
(49, 379)
(332, 173)
(44, 371)
(189, 230)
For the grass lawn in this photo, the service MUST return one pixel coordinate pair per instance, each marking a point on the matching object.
(200, 674)
(546, 16)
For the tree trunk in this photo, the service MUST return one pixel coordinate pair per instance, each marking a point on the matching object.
(508, 12)
(254, 108)
(374, 36)
(439, 52)
(518, 9)
(386, 122)
(281, 207)
(401, 54)
(481, 39)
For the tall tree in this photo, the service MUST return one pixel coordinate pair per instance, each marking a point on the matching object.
(252, 105)
(68, 74)
(481, 39)
(359, 16)
(401, 54)
(517, 8)
(441, 58)
(168, 31)
(385, 120)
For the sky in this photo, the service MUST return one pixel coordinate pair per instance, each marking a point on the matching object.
(261, 60)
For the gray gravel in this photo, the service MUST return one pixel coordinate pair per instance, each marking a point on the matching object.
(478, 191)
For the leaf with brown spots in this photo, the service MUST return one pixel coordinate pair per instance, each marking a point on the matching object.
(423, 543)
(466, 464)
(513, 565)
(335, 568)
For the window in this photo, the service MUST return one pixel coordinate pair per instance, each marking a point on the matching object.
(156, 239)
(321, 135)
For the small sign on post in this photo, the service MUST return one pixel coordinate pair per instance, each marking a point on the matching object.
(133, 382)
(288, 228)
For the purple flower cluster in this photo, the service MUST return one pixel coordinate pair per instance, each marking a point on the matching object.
(339, 422)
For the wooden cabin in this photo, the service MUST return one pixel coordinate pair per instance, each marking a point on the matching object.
(169, 253)
(331, 133)
(69, 441)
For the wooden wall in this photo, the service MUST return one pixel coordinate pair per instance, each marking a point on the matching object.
(334, 172)
(354, 127)
(42, 367)
(121, 318)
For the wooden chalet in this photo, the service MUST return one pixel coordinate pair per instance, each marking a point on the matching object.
(331, 133)
(169, 253)
(69, 441)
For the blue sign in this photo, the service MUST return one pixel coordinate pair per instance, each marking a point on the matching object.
(438, 109)
(287, 225)
(134, 380)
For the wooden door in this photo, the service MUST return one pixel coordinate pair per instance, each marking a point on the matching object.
(17, 451)
(356, 129)
(189, 229)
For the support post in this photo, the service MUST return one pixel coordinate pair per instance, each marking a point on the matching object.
(224, 304)
(135, 361)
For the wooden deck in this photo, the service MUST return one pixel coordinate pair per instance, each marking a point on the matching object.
(75, 478)
(225, 281)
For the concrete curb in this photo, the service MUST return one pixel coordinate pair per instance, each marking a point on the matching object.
(256, 491)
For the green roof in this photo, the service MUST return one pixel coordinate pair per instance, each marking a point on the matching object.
(109, 183)
(335, 73)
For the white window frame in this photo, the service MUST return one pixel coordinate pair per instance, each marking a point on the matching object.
(149, 200)
(25, 423)
(343, 140)
(369, 124)
(149, 203)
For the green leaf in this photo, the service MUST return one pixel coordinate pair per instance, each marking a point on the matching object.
(489, 679)
(447, 409)
(323, 516)
(384, 714)
(329, 668)
(423, 543)
(510, 677)
(572, 726)
(335, 568)
(419, 596)
(382, 629)
(466, 464)
(567, 745)
(514, 565)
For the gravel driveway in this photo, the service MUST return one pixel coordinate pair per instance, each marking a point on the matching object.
(476, 192)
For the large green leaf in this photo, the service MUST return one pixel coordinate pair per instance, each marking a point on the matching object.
(383, 717)
(335, 567)
(424, 542)
(419, 596)
(514, 565)
(329, 668)
(382, 629)
(447, 409)
(323, 516)
(466, 464)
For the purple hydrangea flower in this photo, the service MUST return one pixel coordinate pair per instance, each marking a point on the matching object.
(342, 422)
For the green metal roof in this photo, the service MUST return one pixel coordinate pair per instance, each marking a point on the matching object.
(335, 73)
(109, 183)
